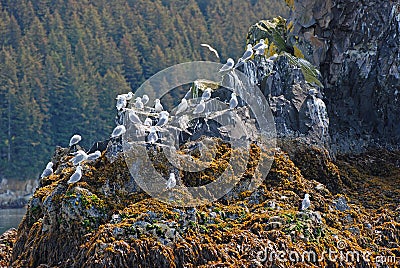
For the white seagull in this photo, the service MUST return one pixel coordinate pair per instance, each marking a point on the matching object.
(206, 94)
(260, 47)
(227, 66)
(118, 131)
(163, 119)
(133, 117)
(211, 49)
(246, 56)
(128, 96)
(182, 106)
(79, 157)
(153, 137)
(158, 106)
(200, 107)
(306, 202)
(171, 182)
(75, 140)
(48, 170)
(121, 102)
(139, 104)
(76, 176)
(145, 99)
(233, 102)
(94, 156)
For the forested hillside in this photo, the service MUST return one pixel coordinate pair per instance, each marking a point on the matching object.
(62, 62)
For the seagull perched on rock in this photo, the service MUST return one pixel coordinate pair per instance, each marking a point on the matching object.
(213, 50)
(139, 104)
(145, 99)
(132, 116)
(76, 176)
(94, 156)
(260, 47)
(305, 204)
(118, 131)
(152, 137)
(206, 94)
(163, 119)
(79, 157)
(171, 182)
(182, 106)
(230, 63)
(233, 102)
(158, 106)
(200, 107)
(121, 102)
(128, 96)
(75, 140)
(48, 170)
(246, 55)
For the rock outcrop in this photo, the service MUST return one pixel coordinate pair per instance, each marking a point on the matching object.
(356, 44)
(107, 220)
(291, 85)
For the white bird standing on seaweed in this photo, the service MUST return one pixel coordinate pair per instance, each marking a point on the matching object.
(230, 63)
(118, 131)
(79, 157)
(213, 50)
(76, 176)
(305, 204)
(48, 170)
(94, 156)
(171, 182)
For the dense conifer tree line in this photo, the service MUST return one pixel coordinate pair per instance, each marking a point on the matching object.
(62, 62)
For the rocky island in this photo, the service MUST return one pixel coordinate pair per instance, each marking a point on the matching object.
(331, 78)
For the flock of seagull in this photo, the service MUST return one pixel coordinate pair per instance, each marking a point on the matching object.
(151, 127)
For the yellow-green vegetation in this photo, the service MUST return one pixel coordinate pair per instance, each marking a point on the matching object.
(277, 35)
(111, 224)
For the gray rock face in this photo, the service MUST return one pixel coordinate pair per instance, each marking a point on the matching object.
(296, 104)
(357, 46)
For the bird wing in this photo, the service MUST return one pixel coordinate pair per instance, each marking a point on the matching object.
(211, 49)
(247, 55)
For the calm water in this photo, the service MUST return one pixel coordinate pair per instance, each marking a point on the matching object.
(10, 218)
